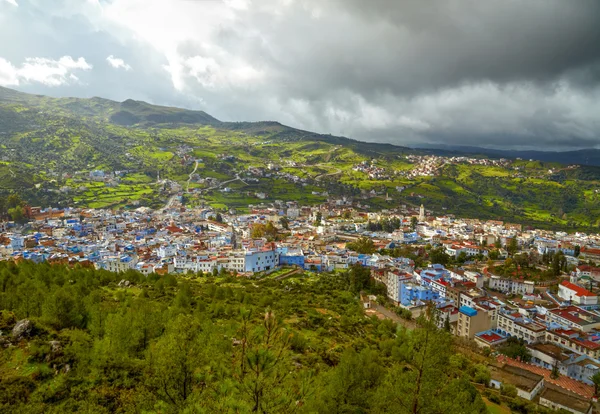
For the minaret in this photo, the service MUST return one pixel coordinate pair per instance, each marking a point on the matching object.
(422, 213)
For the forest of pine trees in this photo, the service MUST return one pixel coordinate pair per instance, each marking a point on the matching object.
(207, 344)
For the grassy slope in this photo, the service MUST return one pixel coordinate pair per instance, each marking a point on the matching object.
(43, 138)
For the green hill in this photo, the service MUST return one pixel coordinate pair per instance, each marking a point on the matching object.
(48, 147)
(76, 340)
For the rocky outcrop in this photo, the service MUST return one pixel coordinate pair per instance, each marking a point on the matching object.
(22, 329)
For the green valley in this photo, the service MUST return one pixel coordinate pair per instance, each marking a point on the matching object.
(50, 149)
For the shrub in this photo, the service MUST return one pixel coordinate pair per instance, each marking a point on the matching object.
(495, 398)
(7, 319)
(509, 390)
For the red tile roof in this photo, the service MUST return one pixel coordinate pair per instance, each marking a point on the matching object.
(573, 314)
(590, 251)
(491, 337)
(562, 381)
(579, 291)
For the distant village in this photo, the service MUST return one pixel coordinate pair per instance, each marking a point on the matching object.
(558, 320)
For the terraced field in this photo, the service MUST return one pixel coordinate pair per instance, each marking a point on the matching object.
(48, 144)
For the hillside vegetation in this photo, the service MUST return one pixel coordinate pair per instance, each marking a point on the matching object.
(78, 340)
(48, 147)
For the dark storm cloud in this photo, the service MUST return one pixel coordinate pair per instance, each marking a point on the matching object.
(408, 47)
(495, 39)
(497, 73)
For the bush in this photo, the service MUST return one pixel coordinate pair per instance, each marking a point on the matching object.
(481, 374)
(16, 389)
(7, 319)
(509, 390)
(404, 313)
(298, 342)
(39, 350)
(495, 398)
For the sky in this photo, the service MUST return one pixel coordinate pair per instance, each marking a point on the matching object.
(522, 74)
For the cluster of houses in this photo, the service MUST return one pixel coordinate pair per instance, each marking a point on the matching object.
(561, 333)
(561, 329)
(373, 171)
(430, 165)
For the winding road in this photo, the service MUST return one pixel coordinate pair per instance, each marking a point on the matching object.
(187, 188)
(170, 202)
(237, 177)
(318, 177)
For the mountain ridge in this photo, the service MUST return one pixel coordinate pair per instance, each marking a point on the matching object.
(584, 156)
(52, 147)
(132, 112)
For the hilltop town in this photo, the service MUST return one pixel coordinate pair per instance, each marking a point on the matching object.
(491, 282)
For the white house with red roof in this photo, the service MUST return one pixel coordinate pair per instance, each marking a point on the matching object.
(576, 294)
(587, 270)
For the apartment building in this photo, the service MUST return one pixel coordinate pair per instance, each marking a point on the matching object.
(512, 286)
(574, 341)
(574, 317)
(395, 281)
(515, 324)
(470, 322)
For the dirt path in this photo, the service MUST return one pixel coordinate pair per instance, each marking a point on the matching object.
(388, 314)
(187, 188)
(288, 274)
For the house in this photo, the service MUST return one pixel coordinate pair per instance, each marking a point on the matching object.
(413, 295)
(560, 399)
(260, 260)
(97, 175)
(490, 307)
(117, 263)
(293, 213)
(589, 271)
(290, 257)
(576, 294)
(528, 384)
(395, 281)
(455, 250)
(167, 251)
(589, 253)
(582, 368)
(553, 246)
(449, 312)
(574, 341)
(548, 356)
(512, 286)
(490, 338)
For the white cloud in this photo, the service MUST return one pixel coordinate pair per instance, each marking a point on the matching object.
(46, 71)
(8, 73)
(13, 2)
(117, 63)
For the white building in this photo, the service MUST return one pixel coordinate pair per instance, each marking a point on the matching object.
(515, 324)
(512, 286)
(576, 294)
(293, 213)
(167, 251)
(117, 263)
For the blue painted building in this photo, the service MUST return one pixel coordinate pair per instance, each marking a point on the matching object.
(290, 257)
(412, 294)
(261, 260)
